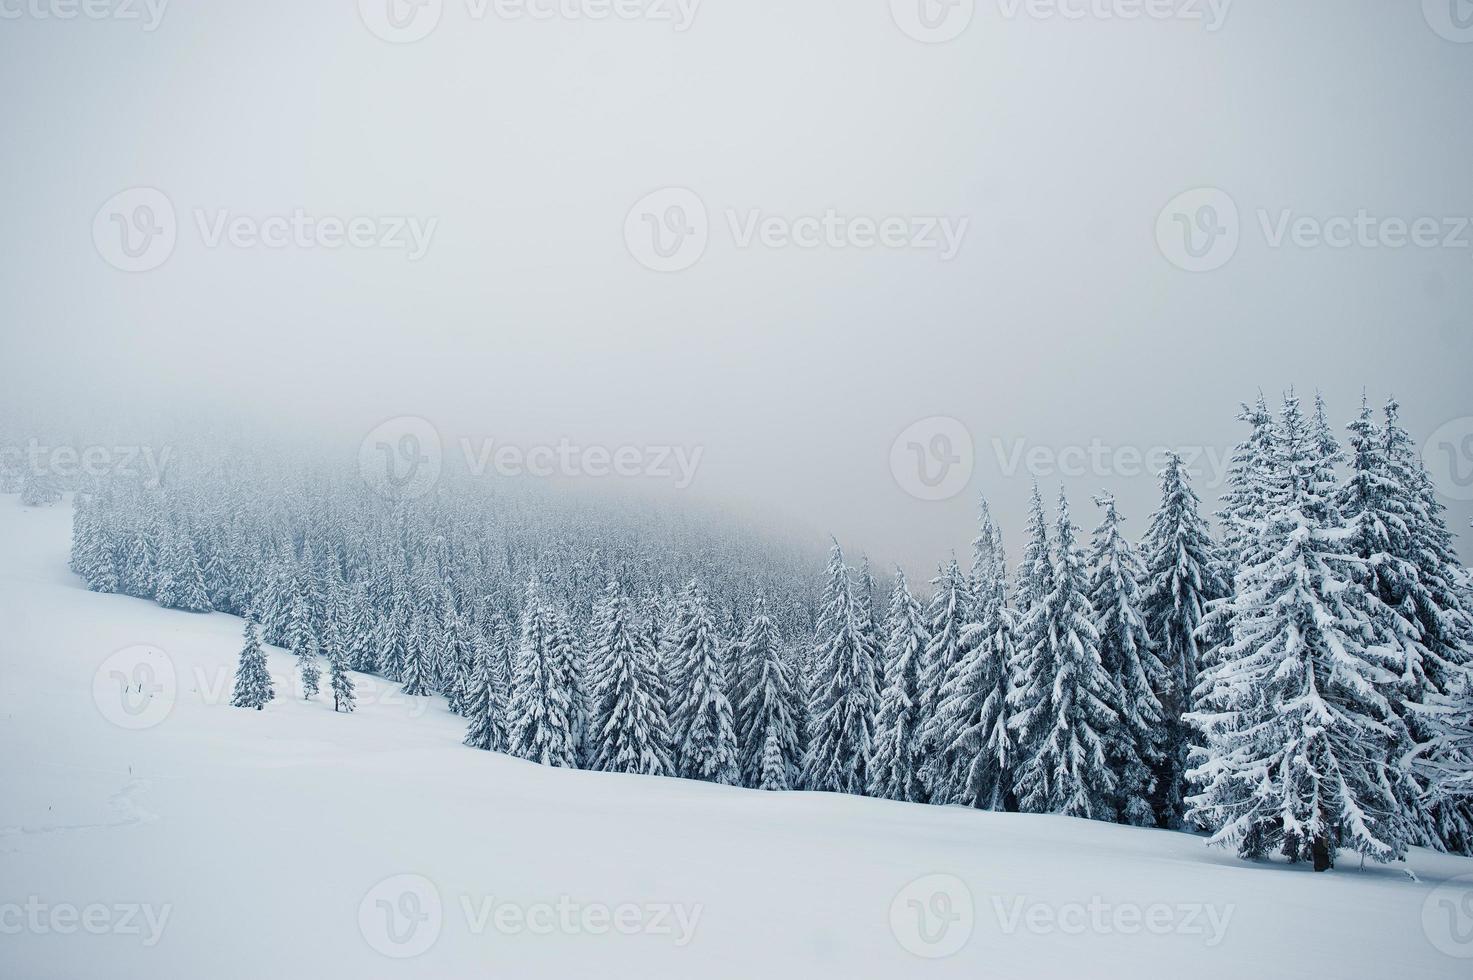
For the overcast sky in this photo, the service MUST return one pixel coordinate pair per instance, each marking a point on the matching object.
(1063, 310)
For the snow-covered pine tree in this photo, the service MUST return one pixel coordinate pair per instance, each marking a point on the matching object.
(772, 750)
(252, 680)
(974, 702)
(39, 488)
(1299, 740)
(947, 635)
(1183, 572)
(303, 644)
(180, 583)
(1136, 746)
(705, 742)
(344, 697)
(628, 728)
(418, 656)
(894, 768)
(360, 631)
(842, 703)
(539, 718)
(486, 702)
(1419, 576)
(1061, 700)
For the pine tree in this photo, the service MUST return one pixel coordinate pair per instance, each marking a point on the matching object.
(706, 739)
(948, 636)
(39, 489)
(344, 697)
(1183, 579)
(303, 644)
(894, 768)
(486, 701)
(180, 583)
(1299, 739)
(253, 687)
(1061, 701)
(1138, 744)
(540, 716)
(772, 750)
(630, 732)
(841, 708)
(418, 657)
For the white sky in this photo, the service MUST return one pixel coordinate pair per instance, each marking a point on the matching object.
(1059, 322)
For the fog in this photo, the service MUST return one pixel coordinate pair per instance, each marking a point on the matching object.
(499, 288)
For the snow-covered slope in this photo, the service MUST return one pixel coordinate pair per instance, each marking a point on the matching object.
(181, 837)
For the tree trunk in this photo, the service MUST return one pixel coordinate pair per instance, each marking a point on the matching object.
(1323, 860)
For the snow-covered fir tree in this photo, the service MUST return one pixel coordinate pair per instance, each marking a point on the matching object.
(180, 583)
(629, 729)
(253, 687)
(1183, 578)
(894, 766)
(705, 729)
(344, 695)
(486, 703)
(540, 715)
(947, 638)
(772, 749)
(1299, 737)
(842, 702)
(1061, 698)
(1136, 745)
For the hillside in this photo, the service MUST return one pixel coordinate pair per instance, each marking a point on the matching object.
(273, 844)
